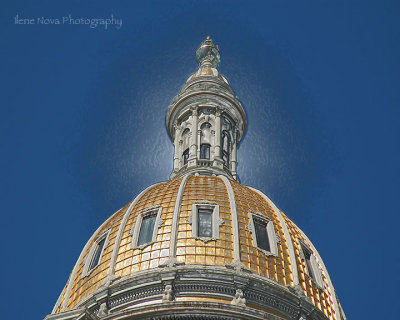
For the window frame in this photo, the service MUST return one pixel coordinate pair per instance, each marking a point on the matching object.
(315, 273)
(270, 230)
(202, 145)
(87, 268)
(217, 221)
(135, 232)
(185, 156)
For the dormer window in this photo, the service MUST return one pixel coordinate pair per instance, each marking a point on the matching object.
(96, 251)
(145, 230)
(205, 221)
(260, 227)
(263, 232)
(311, 264)
(97, 255)
(205, 151)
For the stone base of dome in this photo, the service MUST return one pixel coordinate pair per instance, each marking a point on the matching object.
(193, 292)
(203, 168)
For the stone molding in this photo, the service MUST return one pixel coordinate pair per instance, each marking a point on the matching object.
(175, 219)
(163, 292)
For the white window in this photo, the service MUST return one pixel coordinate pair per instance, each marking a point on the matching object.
(205, 132)
(205, 221)
(263, 232)
(145, 230)
(311, 264)
(95, 253)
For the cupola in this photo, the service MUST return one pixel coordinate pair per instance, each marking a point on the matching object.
(205, 120)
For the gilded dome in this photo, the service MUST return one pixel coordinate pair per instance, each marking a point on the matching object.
(176, 244)
(200, 246)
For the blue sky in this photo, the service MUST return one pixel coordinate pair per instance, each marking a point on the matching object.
(83, 132)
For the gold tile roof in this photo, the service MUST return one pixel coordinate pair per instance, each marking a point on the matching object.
(128, 261)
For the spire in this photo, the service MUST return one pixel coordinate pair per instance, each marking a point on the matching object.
(208, 53)
(205, 120)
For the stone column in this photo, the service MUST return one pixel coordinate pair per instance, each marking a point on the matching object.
(217, 148)
(233, 157)
(176, 145)
(198, 143)
(193, 141)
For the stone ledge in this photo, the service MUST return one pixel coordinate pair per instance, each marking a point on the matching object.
(141, 296)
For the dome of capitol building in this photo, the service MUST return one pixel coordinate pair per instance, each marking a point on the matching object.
(201, 245)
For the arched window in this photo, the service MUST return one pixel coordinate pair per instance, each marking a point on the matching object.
(185, 138)
(185, 145)
(205, 132)
(226, 147)
(205, 140)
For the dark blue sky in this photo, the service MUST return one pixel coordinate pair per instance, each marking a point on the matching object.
(82, 129)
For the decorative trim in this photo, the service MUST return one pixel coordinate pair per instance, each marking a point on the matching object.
(93, 250)
(154, 210)
(142, 296)
(217, 221)
(272, 239)
(121, 230)
(175, 221)
(235, 223)
(293, 263)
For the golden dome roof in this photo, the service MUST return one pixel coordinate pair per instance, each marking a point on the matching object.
(174, 241)
(200, 246)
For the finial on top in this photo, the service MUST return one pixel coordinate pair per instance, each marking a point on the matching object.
(208, 53)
